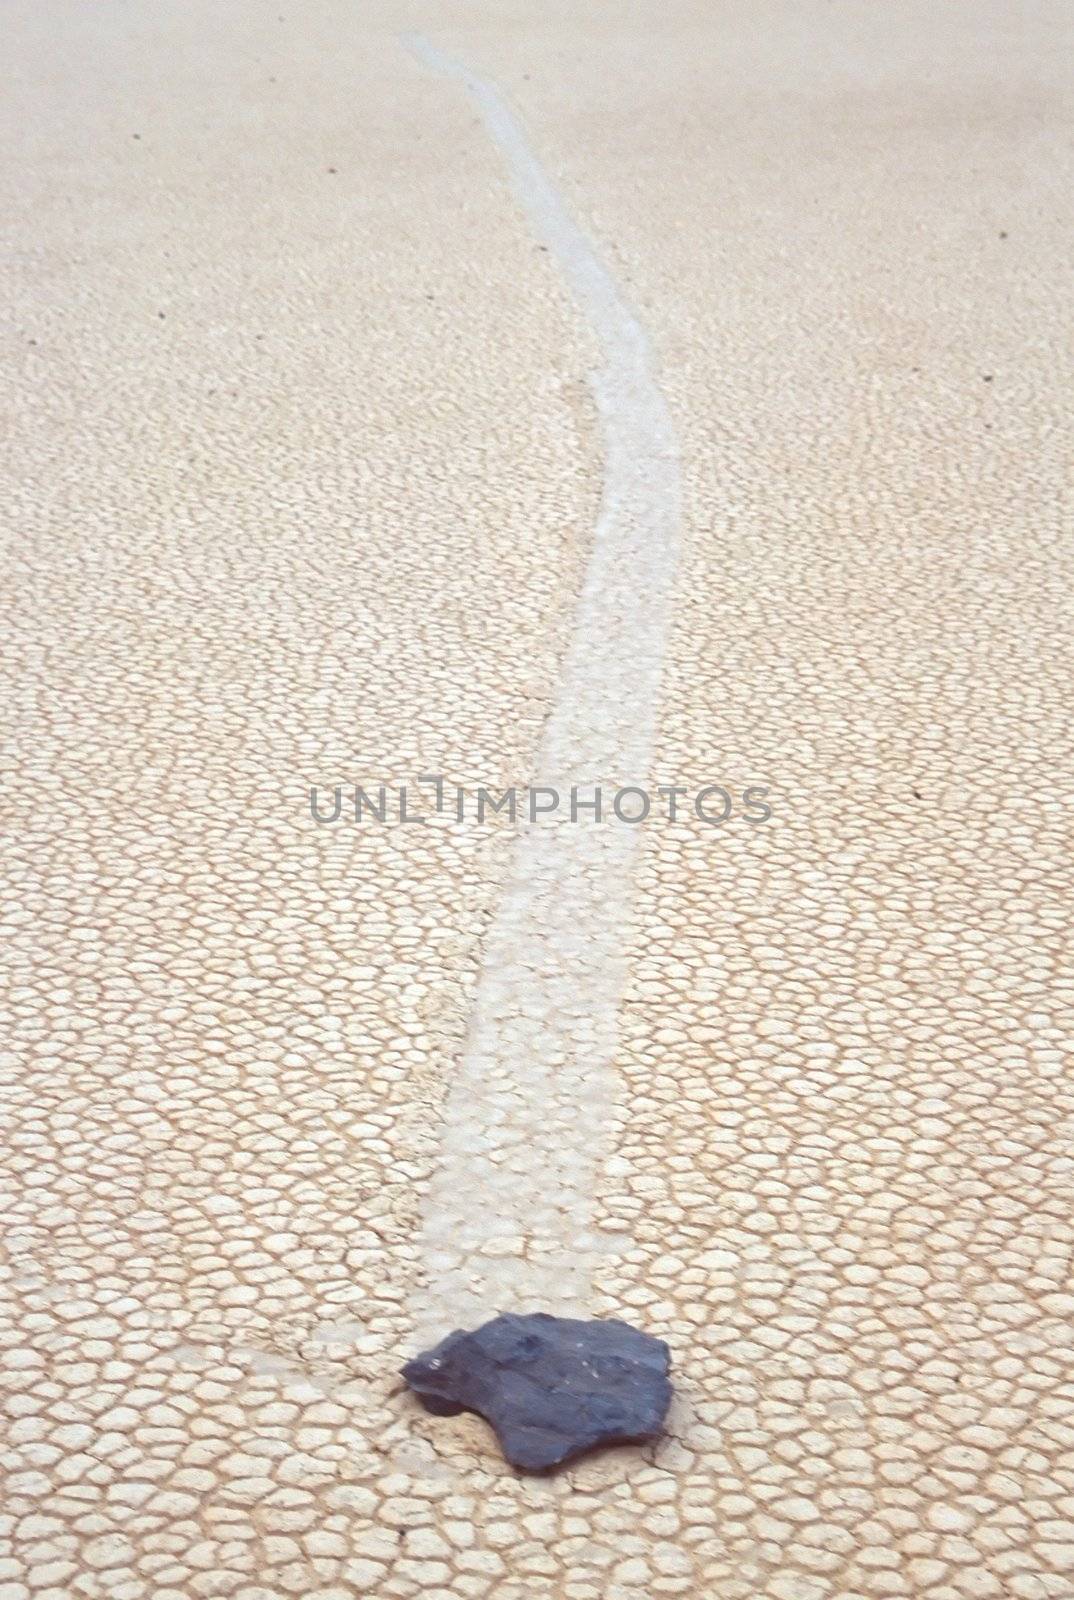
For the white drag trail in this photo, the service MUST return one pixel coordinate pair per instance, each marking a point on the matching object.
(508, 1221)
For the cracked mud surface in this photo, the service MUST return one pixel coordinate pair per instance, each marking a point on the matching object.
(305, 475)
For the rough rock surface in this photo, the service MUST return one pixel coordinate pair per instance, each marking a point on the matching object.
(551, 1387)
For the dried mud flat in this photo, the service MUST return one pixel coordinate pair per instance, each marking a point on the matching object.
(316, 454)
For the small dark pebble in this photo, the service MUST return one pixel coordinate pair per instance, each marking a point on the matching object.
(987, 377)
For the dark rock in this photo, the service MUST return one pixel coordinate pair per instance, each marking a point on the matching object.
(550, 1386)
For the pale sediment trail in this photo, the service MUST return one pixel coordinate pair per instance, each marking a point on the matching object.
(508, 1221)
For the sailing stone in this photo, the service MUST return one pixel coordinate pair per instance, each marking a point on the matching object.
(551, 1387)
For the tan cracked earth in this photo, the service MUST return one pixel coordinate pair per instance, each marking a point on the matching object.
(305, 473)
